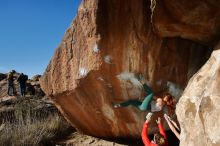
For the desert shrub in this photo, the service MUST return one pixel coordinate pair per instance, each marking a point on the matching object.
(31, 126)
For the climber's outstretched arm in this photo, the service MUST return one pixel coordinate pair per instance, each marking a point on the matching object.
(144, 136)
(172, 128)
(160, 126)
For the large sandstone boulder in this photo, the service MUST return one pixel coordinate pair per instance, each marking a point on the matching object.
(198, 109)
(107, 43)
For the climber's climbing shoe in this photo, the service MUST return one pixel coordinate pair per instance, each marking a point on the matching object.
(117, 105)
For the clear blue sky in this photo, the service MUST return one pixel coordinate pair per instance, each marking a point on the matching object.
(31, 30)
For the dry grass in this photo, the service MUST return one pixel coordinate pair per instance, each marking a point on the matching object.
(31, 127)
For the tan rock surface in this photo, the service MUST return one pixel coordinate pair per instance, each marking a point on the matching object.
(95, 63)
(198, 108)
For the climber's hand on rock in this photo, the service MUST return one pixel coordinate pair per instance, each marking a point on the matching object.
(141, 78)
(142, 81)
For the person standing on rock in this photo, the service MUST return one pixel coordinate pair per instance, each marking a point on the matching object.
(150, 102)
(10, 79)
(160, 139)
(22, 81)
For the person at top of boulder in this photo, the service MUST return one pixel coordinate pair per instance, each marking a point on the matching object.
(10, 79)
(22, 81)
(160, 138)
(150, 102)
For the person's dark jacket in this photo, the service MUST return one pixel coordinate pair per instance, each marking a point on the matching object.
(22, 79)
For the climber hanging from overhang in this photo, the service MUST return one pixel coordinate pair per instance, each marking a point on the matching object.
(151, 102)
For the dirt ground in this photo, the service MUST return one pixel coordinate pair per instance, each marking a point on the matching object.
(77, 139)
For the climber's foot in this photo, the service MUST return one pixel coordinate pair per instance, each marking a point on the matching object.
(117, 105)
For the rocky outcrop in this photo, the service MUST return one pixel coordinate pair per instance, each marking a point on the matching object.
(107, 43)
(199, 106)
(2, 76)
(32, 86)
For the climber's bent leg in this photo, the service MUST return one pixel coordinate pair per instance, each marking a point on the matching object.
(146, 102)
(135, 103)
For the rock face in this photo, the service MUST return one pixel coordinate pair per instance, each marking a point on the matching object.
(199, 106)
(111, 40)
(197, 20)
